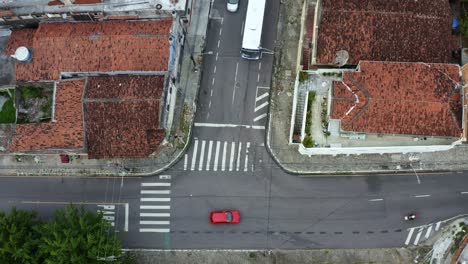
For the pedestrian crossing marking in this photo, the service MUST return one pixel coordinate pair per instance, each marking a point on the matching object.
(419, 233)
(261, 96)
(208, 160)
(202, 155)
(219, 156)
(218, 144)
(194, 158)
(231, 160)
(154, 216)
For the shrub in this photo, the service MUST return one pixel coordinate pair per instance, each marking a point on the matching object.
(8, 112)
(303, 76)
(308, 142)
(31, 92)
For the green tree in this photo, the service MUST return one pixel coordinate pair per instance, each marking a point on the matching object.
(78, 236)
(19, 237)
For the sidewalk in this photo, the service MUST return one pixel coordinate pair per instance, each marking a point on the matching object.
(288, 157)
(171, 151)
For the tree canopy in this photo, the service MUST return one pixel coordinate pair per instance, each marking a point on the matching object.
(74, 235)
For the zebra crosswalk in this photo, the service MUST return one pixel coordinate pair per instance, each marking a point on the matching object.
(155, 207)
(214, 155)
(261, 103)
(419, 231)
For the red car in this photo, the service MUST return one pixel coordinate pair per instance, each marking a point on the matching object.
(225, 217)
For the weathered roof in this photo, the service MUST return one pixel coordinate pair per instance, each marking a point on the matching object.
(382, 30)
(122, 116)
(399, 98)
(66, 133)
(92, 47)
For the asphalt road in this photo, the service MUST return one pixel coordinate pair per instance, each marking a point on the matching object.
(227, 167)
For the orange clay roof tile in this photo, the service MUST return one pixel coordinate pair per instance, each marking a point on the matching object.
(399, 98)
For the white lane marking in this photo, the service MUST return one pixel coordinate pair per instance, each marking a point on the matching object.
(211, 93)
(422, 195)
(155, 199)
(155, 214)
(408, 238)
(215, 168)
(260, 66)
(219, 42)
(222, 20)
(202, 155)
(464, 192)
(223, 161)
(154, 222)
(246, 156)
(155, 230)
(438, 225)
(126, 217)
(238, 157)
(242, 28)
(227, 125)
(155, 184)
(260, 106)
(376, 200)
(259, 117)
(216, 56)
(185, 161)
(164, 177)
(208, 160)
(209, 105)
(212, 82)
(418, 236)
(235, 81)
(155, 207)
(261, 97)
(106, 212)
(194, 157)
(155, 192)
(107, 207)
(428, 231)
(214, 71)
(220, 31)
(263, 87)
(231, 158)
(109, 218)
(258, 77)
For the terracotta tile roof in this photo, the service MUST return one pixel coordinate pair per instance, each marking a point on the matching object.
(19, 37)
(86, 2)
(66, 133)
(399, 98)
(383, 30)
(95, 46)
(122, 116)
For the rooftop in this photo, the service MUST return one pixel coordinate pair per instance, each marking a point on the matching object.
(122, 116)
(92, 47)
(399, 98)
(67, 130)
(381, 30)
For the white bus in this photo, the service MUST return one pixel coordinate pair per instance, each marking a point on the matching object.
(251, 43)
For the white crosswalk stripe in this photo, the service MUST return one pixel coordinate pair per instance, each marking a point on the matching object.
(108, 211)
(219, 156)
(154, 205)
(261, 103)
(418, 238)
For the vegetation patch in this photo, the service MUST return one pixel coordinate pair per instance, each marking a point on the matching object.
(308, 142)
(74, 235)
(457, 239)
(303, 76)
(7, 107)
(35, 103)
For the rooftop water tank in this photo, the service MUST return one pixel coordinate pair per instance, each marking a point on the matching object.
(22, 54)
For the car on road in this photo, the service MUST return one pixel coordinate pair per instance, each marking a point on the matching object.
(232, 5)
(225, 217)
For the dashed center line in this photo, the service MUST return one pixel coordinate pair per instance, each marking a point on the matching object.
(422, 196)
(376, 200)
